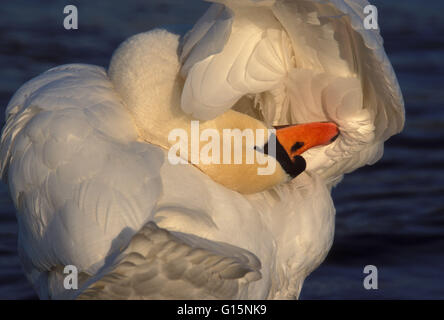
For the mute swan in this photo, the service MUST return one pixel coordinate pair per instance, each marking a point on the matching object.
(85, 154)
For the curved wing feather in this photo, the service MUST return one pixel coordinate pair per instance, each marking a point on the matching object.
(159, 264)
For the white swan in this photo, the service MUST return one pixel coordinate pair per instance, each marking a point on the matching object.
(84, 152)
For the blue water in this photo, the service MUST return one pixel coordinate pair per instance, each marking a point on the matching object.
(390, 215)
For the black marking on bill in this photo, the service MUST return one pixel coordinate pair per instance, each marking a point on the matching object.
(292, 167)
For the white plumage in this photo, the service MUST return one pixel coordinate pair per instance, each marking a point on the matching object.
(84, 158)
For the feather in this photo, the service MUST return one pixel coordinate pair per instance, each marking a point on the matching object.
(303, 61)
(65, 143)
(159, 264)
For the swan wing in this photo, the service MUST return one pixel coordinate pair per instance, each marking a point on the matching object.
(297, 61)
(81, 183)
(159, 264)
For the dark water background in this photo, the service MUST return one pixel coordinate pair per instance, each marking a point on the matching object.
(390, 215)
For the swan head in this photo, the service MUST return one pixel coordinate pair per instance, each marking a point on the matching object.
(293, 140)
(145, 73)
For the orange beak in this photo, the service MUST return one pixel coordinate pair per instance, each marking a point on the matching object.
(297, 139)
